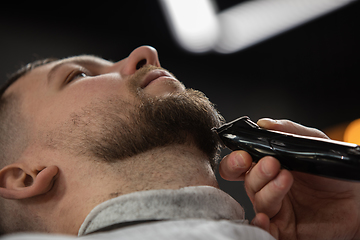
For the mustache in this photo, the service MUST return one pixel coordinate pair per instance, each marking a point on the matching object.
(136, 79)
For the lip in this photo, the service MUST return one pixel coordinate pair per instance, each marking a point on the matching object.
(153, 75)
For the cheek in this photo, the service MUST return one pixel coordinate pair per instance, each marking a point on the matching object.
(98, 87)
(76, 98)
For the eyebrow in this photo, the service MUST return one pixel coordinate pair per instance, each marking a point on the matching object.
(54, 70)
(82, 62)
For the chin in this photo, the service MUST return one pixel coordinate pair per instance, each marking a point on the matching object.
(166, 88)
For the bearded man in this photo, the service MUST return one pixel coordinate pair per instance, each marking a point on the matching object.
(123, 150)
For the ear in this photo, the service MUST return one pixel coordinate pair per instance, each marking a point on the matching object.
(17, 181)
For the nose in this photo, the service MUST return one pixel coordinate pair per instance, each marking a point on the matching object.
(141, 56)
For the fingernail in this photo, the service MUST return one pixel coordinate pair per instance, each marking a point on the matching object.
(263, 122)
(279, 182)
(240, 160)
(265, 168)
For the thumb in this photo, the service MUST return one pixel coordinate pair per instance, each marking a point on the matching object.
(234, 166)
(290, 127)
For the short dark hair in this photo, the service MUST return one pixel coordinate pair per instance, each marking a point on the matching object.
(22, 71)
(11, 121)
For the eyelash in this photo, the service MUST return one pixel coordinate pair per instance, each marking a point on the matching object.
(78, 73)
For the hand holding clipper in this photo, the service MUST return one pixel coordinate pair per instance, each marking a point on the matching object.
(322, 157)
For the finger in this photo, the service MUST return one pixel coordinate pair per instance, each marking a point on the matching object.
(269, 199)
(262, 221)
(290, 127)
(261, 174)
(234, 166)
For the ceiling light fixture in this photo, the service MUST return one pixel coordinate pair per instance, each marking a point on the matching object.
(198, 28)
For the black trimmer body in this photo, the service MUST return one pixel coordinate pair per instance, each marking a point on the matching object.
(312, 155)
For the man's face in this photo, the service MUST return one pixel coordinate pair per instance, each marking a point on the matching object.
(52, 92)
(87, 105)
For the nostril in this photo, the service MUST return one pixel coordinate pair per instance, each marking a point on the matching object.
(141, 64)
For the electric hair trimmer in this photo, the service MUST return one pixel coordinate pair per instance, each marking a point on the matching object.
(317, 156)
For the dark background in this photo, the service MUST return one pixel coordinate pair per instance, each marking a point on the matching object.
(309, 74)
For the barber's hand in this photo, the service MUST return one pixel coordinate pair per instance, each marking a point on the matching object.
(294, 205)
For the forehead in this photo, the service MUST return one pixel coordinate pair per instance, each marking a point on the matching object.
(46, 70)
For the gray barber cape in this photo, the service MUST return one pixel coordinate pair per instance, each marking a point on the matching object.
(200, 212)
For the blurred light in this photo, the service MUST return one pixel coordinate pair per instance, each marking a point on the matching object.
(347, 132)
(254, 21)
(193, 23)
(352, 132)
(197, 28)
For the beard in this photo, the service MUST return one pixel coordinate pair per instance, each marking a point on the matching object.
(114, 130)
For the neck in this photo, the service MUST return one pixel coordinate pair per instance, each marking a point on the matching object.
(170, 167)
(81, 187)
